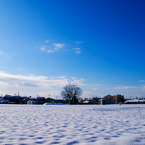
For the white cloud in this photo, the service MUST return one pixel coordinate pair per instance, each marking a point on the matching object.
(77, 50)
(43, 48)
(50, 50)
(96, 89)
(98, 85)
(58, 45)
(143, 88)
(4, 54)
(43, 85)
(32, 85)
(1, 52)
(125, 87)
(141, 81)
(79, 42)
(54, 47)
(89, 94)
(20, 69)
(60, 77)
(46, 41)
(78, 81)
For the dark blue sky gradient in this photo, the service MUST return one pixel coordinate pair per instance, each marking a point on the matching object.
(112, 34)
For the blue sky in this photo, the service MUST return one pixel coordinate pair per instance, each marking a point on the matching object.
(98, 45)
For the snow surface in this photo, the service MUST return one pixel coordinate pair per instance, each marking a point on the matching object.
(69, 124)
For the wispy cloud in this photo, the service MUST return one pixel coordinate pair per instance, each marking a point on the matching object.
(141, 81)
(78, 42)
(77, 50)
(50, 50)
(20, 69)
(58, 45)
(78, 81)
(125, 87)
(43, 85)
(4, 54)
(46, 41)
(1, 52)
(96, 87)
(43, 48)
(32, 85)
(143, 88)
(55, 47)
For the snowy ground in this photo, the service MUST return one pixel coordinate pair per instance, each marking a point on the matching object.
(68, 125)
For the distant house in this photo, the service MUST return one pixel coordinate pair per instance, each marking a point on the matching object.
(32, 101)
(135, 101)
(49, 100)
(12, 99)
(3, 101)
(102, 101)
(93, 100)
(80, 101)
(38, 100)
(7, 97)
(24, 100)
(115, 99)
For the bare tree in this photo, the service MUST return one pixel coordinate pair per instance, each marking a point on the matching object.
(71, 93)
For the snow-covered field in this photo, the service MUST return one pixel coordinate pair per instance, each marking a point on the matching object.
(68, 125)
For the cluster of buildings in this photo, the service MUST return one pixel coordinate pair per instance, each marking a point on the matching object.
(108, 99)
(135, 101)
(111, 99)
(16, 99)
